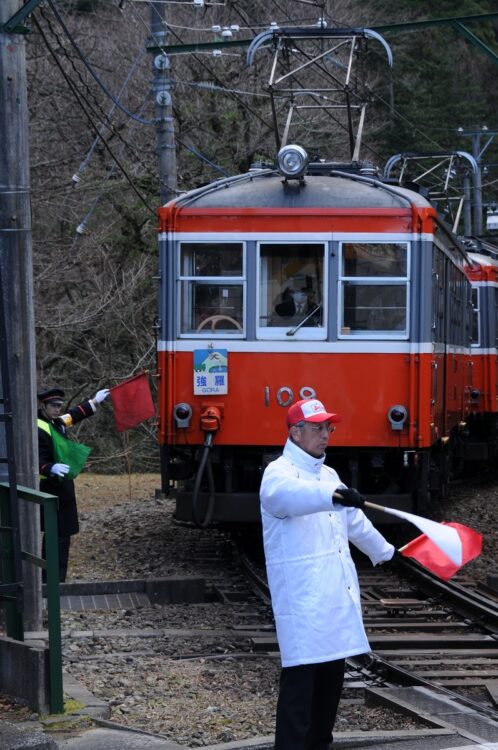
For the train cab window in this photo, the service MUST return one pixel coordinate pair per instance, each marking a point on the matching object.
(290, 290)
(373, 289)
(211, 289)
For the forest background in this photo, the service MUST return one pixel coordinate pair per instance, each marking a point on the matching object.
(94, 198)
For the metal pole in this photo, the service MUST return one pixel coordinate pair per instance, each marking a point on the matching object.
(467, 206)
(477, 180)
(17, 272)
(161, 91)
(53, 606)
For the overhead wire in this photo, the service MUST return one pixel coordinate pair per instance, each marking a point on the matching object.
(81, 228)
(90, 69)
(398, 114)
(77, 95)
(208, 69)
(98, 110)
(220, 87)
(208, 86)
(232, 93)
(86, 161)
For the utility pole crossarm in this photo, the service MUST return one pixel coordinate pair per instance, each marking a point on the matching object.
(11, 26)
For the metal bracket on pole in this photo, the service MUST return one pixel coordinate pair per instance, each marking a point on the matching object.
(11, 26)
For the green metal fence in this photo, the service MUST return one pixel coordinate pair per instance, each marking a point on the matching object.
(13, 615)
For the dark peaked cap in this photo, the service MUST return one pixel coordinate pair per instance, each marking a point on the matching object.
(53, 394)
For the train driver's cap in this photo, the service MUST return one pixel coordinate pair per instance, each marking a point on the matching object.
(309, 410)
(52, 396)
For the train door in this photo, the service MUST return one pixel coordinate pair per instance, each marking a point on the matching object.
(457, 345)
(438, 405)
(488, 343)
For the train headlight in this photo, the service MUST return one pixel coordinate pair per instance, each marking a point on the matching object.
(292, 162)
(182, 414)
(397, 416)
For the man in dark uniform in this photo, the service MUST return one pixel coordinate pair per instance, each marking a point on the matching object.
(295, 302)
(296, 305)
(52, 474)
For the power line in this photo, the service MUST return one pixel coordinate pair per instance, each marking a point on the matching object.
(84, 164)
(100, 114)
(92, 72)
(78, 98)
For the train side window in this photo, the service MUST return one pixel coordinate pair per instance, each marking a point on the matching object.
(374, 289)
(211, 289)
(290, 290)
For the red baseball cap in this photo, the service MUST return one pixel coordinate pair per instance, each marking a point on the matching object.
(309, 410)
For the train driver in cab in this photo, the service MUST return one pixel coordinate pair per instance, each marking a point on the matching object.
(298, 302)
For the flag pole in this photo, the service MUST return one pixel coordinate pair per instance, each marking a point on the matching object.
(444, 536)
(127, 457)
(374, 506)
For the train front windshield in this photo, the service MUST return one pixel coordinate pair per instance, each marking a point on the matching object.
(307, 290)
(291, 285)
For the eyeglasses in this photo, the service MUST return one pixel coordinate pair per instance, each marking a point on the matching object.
(320, 427)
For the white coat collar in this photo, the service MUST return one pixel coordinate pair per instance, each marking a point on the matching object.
(300, 458)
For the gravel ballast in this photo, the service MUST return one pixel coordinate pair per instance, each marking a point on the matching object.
(203, 689)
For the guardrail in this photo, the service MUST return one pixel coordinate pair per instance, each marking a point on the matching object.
(13, 618)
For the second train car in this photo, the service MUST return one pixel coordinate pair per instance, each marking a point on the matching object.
(301, 280)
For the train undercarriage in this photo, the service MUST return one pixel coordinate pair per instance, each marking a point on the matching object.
(220, 484)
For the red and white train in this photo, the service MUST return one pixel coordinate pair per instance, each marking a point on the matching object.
(319, 279)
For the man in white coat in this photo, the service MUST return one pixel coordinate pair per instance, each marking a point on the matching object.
(312, 577)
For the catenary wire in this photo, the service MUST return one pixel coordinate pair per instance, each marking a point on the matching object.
(79, 98)
(92, 72)
(100, 114)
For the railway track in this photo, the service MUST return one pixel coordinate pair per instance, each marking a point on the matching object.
(434, 646)
(205, 671)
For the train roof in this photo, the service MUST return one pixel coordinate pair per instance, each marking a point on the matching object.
(268, 189)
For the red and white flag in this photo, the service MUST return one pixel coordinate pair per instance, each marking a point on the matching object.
(431, 555)
(443, 547)
(445, 537)
(132, 402)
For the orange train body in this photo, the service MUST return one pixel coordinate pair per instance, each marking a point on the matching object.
(384, 338)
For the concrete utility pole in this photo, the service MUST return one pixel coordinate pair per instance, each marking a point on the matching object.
(161, 90)
(17, 292)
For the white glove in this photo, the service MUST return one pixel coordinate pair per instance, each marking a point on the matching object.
(59, 469)
(101, 395)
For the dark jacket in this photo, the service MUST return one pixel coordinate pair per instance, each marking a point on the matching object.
(67, 515)
(288, 309)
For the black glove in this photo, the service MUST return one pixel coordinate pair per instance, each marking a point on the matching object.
(349, 497)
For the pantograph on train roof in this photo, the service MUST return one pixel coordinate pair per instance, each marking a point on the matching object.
(317, 71)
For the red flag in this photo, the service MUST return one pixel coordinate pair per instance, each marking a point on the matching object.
(433, 558)
(132, 402)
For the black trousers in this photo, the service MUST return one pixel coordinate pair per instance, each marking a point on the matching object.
(307, 705)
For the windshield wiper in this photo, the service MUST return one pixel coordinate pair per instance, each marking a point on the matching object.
(315, 309)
